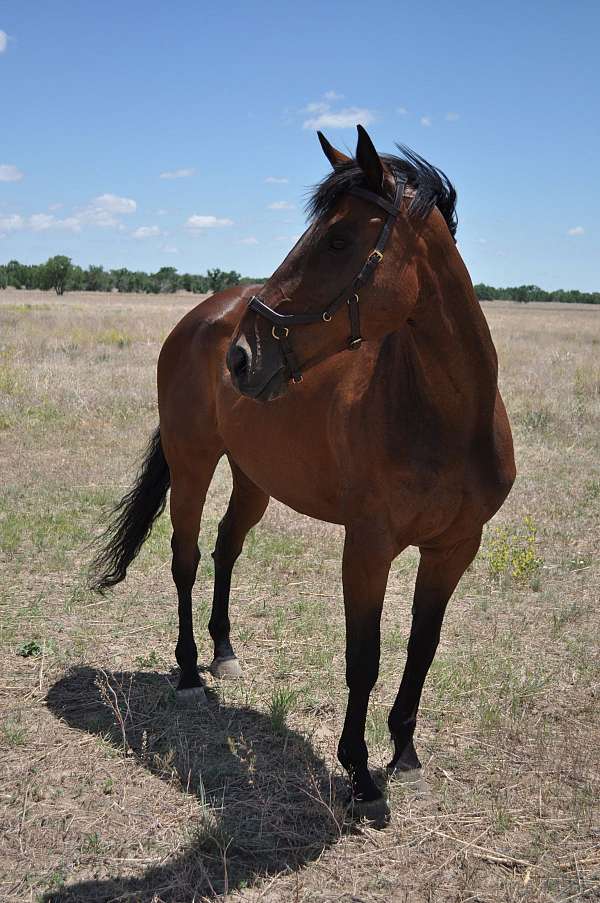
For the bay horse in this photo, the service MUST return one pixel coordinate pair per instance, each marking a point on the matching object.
(388, 421)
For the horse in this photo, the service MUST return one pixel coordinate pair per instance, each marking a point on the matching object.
(388, 422)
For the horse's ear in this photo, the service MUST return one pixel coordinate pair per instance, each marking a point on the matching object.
(335, 157)
(369, 161)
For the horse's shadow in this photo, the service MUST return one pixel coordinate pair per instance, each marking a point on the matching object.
(267, 802)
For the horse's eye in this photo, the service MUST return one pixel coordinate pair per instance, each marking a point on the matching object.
(338, 244)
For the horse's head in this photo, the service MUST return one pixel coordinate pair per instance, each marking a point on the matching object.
(352, 276)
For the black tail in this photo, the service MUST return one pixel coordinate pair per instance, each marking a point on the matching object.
(132, 519)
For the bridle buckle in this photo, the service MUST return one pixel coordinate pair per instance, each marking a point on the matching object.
(378, 255)
(286, 333)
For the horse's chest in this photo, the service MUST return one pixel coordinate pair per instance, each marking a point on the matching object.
(291, 460)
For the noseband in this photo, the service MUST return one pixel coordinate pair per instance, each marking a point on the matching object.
(282, 322)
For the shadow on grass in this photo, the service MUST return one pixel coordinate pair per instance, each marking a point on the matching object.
(266, 801)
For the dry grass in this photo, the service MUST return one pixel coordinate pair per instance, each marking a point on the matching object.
(111, 791)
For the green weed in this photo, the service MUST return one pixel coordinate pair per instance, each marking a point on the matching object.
(536, 420)
(378, 733)
(282, 702)
(32, 647)
(150, 660)
(114, 337)
(13, 731)
(91, 844)
(592, 489)
(9, 380)
(513, 552)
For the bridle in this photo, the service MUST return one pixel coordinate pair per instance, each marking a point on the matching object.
(350, 296)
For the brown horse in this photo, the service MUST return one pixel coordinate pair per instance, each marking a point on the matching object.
(405, 441)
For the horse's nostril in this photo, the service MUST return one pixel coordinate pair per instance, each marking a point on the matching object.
(238, 361)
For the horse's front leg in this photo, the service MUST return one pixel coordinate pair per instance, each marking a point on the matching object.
(366, 565)
(439, 571)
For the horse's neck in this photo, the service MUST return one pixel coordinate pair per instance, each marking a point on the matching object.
(451, 346)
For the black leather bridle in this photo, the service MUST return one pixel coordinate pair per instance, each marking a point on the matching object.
(350, 296)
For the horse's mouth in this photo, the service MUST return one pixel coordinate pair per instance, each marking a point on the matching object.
(274, 387)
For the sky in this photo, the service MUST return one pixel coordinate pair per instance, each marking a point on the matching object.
(183, 134)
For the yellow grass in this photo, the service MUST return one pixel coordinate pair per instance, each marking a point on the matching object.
(111, 790)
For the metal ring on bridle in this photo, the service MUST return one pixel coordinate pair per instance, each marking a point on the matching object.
(286, 332)
(327, 316)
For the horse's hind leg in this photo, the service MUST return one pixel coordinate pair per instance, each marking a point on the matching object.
(439, 571)
(246, 507)
(190, 478)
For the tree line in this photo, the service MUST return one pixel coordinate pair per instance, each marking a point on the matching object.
(62, 275)
(526, 293)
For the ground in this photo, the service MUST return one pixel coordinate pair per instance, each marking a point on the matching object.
(110, 789)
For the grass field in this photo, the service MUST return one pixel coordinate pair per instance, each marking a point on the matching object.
(111, 790)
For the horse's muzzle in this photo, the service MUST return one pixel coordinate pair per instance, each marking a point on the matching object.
(256, 384)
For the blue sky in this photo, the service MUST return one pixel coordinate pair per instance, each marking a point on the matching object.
(145, 135)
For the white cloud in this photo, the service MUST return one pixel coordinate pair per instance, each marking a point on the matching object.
(576, 230)
(319, 106)
(402, 111)
(281, 205)
(482, 241)
(196, 222)
(327, 118)
(146, 232)
(11, 223)
(170, 249)
(102, 212)
(161, 212)
(425, 121)
(3, 41)
(275, 180)
(178, 173)
(42, 222)
(55, 206)
(452, 117)
(38, 222)
(115, 204)
(333, 95)
(251, 240)
(8, 172)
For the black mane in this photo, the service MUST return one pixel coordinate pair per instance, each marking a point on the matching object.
(433, 187)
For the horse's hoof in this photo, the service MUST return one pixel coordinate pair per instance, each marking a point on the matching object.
(194, 696)
(226, 668)
(375, 812)
(411, 779)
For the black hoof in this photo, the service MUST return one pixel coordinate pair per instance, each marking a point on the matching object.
(406, 760)
(411, 780)
(190, 681)
(226, 668)
(375, 812)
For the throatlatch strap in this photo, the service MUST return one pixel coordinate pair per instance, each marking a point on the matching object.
(290, 358)
(355, 339)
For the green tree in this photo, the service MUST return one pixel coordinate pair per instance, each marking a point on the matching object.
(16, 274)
(56, 272)
(166, 279)
(95, 279)
(219, 279)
